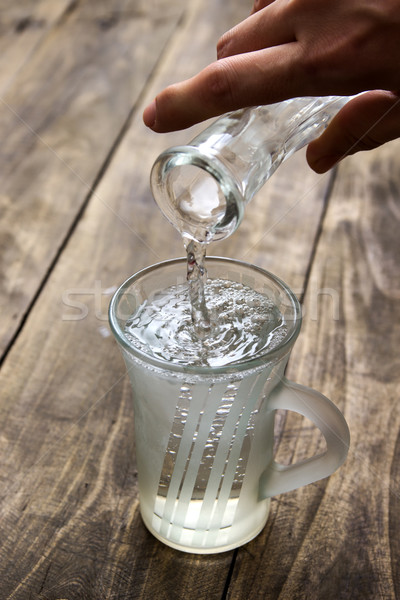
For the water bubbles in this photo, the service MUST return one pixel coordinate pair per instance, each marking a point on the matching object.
(252, 302)
(259, 319)
(243, 324)
(232, 387)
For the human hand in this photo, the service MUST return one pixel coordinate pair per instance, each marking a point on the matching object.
(365, 122)
(290, 48)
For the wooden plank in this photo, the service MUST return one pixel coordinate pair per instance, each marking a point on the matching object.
(339, 538)
(58, 122)
(69, 517)
(281, 223)
(23, 25)
(72, 443)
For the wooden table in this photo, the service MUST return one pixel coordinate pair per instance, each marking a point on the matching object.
(77, 218)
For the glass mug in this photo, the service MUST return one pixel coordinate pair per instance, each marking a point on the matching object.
(204, 435)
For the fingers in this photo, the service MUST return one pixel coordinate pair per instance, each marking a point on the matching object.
(260, 4)
(366, 122)
(271, 26)
(248, 79)
(289, 48)
(256, 66)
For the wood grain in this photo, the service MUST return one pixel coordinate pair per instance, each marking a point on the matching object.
(69, 515)
(23, 25)
(67, 441)
(59, 121)
(339, 538)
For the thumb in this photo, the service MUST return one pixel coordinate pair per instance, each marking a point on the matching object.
(364, 123)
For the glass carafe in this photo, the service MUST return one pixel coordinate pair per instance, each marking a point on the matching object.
(203, 187)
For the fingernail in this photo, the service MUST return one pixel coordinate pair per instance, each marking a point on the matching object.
(324, 163)
(149, 115)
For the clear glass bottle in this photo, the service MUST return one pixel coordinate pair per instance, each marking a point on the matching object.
(202, 188)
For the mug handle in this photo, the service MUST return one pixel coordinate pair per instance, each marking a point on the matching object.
(278, 478)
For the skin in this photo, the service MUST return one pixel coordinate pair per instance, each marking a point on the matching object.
(290, 48)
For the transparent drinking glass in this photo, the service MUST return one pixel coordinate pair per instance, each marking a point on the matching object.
(203, 187)
(205, 435)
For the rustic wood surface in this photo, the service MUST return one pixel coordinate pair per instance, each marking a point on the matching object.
(76, 219)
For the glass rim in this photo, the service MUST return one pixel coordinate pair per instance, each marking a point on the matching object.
(206, 160)
(249, 364)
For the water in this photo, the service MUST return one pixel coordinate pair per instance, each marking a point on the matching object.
(201, 452)
(206, 322)
(196, 275)
(199, 455)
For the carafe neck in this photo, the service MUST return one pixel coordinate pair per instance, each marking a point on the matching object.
(202, 188)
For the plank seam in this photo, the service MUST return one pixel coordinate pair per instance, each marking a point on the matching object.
(230, 575)
(318, 234)
(92, 189)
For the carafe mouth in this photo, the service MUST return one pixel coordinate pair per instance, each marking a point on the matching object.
(147, 282)
(197, 193)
